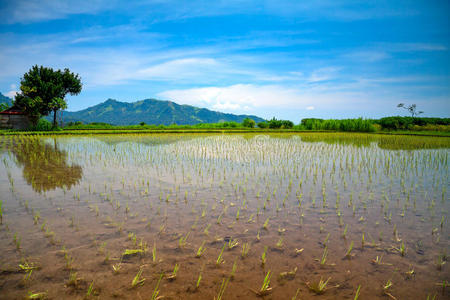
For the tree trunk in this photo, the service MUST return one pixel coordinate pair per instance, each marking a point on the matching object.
(54, 118)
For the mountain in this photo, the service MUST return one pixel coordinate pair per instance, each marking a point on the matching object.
(150, 111)
(4, 99)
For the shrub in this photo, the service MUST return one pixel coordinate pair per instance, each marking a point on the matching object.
(263, 125)
(287, 124)
(43, 125)
(249, 123)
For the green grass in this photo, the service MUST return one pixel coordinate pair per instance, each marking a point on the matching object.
(125, 130)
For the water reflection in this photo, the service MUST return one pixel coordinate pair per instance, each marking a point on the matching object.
(386, 142)
(45, 167)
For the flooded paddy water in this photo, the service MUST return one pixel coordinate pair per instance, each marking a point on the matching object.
(202, 216)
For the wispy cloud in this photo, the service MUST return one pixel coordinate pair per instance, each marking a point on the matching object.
(258, 96)
(235, 55)
(29, 11)
(323, 74)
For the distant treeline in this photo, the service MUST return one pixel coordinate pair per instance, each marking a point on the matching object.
(353, 125)
(349, 125)
(410, 123)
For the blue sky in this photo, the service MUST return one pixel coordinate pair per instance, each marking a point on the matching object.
(288, 59)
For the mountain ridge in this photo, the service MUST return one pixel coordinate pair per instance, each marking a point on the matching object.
(5, 99)
(151, 111)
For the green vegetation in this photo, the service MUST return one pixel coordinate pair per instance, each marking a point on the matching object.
(318, 287)
(42, 91)
(414, 123)
(388, 125)
(151, 111)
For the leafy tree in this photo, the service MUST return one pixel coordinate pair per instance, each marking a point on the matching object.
(287, 124)
(247, 122)
(411, 108)
(42, 91)
(274, 123)
(263, 125)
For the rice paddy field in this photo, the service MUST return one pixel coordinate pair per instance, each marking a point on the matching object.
(224, 216)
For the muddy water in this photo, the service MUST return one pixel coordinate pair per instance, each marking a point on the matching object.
(73, 205)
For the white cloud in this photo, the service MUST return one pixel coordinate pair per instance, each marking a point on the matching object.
(179, 69)
(29, 11)
(11, 94)
(226, 106)
(310, 107)
(366, 55)
(252, 97)
(323, 74)
(412, 47)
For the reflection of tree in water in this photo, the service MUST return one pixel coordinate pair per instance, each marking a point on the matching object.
(44, 166)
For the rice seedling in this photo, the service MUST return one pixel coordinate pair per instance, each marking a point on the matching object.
(156, 291)
(219, 219)
(264, 256)
(16, 240)
(233, 270)
(131, 252)
(281, 230)
(69, 261)
(37, 296)
(299, 251)
(357, 292)
(386, 288)
(265, 288)
(232, 243)
(411, 273)
(279, 244)
(401, 250)
(363, 241)
(344, 234)
(288, 275)
(296, 294)
(154, 252)
(1, 212)
(199, 279)
(318, 287)
(266, 224)
(222, 289)
(73, 280)
(323, 260)
(325, 242)
(173, 275)
(378, 261)
(201, 250)
(245, 250)
(137, 280)
(349, 251)
(116, 268)
(90, 291)
(220, 260)
(206, 231)
(182, 241)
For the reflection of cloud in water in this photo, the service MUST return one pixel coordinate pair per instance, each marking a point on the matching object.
(45, 166)
(148, 140)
